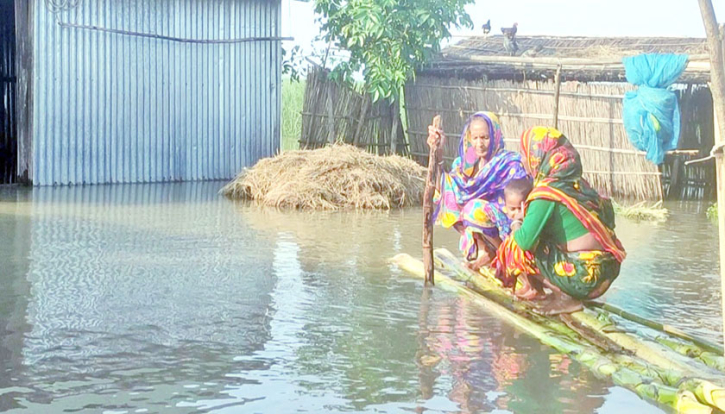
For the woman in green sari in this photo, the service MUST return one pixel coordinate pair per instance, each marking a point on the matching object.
(564, 234)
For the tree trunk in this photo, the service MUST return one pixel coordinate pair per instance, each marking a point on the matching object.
(717, 87)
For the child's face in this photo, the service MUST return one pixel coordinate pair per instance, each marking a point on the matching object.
(515, 206)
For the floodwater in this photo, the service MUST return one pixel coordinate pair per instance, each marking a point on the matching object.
(168, 298)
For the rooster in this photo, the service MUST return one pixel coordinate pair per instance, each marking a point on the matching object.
(510, 32)
(487, 27)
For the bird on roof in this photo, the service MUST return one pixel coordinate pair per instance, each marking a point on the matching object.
(487, 27)
(510, 32)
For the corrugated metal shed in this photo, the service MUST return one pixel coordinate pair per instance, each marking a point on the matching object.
(115, 107)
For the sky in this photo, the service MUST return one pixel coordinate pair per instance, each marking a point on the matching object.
(610, 18)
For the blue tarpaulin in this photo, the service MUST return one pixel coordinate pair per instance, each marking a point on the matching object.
(652, 113)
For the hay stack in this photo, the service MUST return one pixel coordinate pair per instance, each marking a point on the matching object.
(330, 178)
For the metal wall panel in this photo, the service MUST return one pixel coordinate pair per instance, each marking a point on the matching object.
(121, 108)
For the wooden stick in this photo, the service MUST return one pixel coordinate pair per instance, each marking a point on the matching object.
(575, 63)
(546, 117)
(557, 91)
(330, 113)
(395, 108)
(521, 90)
(670, 330)
(717, 87)
(361, 120)
(430, 184)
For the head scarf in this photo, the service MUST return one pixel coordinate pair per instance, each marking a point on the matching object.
(557, 171)
(466, 149)
(501, 167)
(473, 196)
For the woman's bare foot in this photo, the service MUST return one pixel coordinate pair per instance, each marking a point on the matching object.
(556, 304)
(483, 260)
(531, 288)
(530, 295)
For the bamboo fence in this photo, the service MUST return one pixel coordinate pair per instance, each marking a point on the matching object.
(338, 113)
(589, 114)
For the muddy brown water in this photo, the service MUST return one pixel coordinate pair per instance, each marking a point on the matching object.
(168, 298)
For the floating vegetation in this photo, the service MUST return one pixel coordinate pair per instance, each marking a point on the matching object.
(712, 212)
(642, 212)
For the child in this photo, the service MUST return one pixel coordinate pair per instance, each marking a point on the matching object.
(515, 194)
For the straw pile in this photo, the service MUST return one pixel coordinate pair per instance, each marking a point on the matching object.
(331, 178)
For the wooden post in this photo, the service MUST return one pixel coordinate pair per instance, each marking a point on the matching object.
(717, 87)
(361, 120)
(394, 130)
(330, 114)
(557, 91)
(430, 184)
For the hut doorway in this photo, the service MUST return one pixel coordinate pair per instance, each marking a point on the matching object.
(8, 80)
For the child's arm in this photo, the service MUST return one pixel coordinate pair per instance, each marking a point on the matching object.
(534, 221)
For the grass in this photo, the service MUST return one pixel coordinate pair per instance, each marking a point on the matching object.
(293, 96)
(712, 212)
(641, 212)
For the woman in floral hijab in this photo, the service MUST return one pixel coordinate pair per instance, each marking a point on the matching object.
(470, 196)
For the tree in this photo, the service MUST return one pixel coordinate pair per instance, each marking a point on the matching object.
(388, 39)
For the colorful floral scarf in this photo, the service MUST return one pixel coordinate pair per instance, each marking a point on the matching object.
(464, 184)
(557, 171)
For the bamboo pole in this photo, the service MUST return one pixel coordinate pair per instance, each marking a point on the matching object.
(395, 109)
(557, 91)
(577, 63)
(430, 184)
(521, 90)
(599, 324)
(717, 87)
(330, 113)
(361, 120)
(643, 383)
(600, 330)
(670, 330)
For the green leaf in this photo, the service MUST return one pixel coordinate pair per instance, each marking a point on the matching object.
(389, 38)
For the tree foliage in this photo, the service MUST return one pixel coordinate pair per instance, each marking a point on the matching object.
(388, 39)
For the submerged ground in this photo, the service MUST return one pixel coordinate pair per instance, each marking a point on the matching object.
(170, 298)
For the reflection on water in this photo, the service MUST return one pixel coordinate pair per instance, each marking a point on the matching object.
(672, 273)
(168, 298)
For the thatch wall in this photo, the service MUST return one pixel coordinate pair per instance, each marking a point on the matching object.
(337, 113)
(590, 114)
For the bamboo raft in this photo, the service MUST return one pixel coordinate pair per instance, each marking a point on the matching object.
(659, 363)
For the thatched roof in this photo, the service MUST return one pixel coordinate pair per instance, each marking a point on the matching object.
(581, 58)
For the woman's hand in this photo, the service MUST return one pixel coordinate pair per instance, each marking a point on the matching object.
(436, 138)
